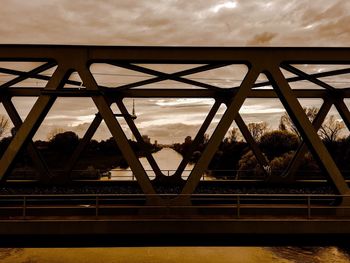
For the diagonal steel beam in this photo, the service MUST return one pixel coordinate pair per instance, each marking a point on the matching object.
(199, 136)
(20, 72)
(36, 157)
(251, 142)
(164, 76)
(308, 77)
(220, 131)
(119, 136)
(139, 138)
(306, 129)
(314, 75)
(33, 121)
(83, 144)
(301, 151)
(343, 111)
(28, 74)
(161, 78)
(36, 76)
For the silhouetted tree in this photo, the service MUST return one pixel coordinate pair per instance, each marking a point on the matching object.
(4, 125)
(64, 142)
(257, 129)
(331, 129)
(276, 143)
(233, 135)
(248, 166)
(287, 124)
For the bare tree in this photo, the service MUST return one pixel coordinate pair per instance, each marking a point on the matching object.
(257, 129)
(4, 125)
(331, 129)
(286, 124)
(233, 135)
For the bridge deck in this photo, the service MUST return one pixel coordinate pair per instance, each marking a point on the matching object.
(161, 232)
(49, 220)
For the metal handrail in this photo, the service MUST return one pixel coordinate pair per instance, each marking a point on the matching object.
(175, 195)
(239, 202)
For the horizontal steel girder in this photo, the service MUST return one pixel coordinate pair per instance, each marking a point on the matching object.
(268, 60)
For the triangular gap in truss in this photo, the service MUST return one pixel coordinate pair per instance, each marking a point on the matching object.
(59, 134)
(112, 76)
(224, 77)
(6, 126)
(169, 68)
(27, 165)
(346, 152)
(197, 151)
(74, 82)
(113, 165)
(319, 150)
(125, 115)
(224, 164)
(297, 82)
(12, 70)
(170, 126)
(262, 82)
(23, 105)
(337, 76)
(121, 119)
(303, 164)
(265, 140)
(335, 135)
(311, 107)
(169, 84)
(287, 74)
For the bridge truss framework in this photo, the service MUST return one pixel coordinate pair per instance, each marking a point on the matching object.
(269, 61)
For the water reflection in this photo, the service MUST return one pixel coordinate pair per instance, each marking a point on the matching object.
(167, 159)
(176, 254)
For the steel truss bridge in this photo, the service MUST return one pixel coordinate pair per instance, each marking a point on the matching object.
(158, 214)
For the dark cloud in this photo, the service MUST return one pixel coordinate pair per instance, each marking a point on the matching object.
(165, 22)
(263, 39)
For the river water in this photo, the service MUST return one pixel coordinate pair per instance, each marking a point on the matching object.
(168, 159)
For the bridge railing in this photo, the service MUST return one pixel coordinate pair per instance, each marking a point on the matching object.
(229, 206)
(208, 175)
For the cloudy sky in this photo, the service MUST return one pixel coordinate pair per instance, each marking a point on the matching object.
(170, 23)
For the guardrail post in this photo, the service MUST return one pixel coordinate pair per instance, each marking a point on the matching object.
(97, 205)
(238, 207)
(308, 207)
(24, 207)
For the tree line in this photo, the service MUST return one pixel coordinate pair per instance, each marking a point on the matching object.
(57, 150)
(235, 159)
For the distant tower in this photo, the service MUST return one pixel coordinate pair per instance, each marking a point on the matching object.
(133, 116)
(133, 109)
